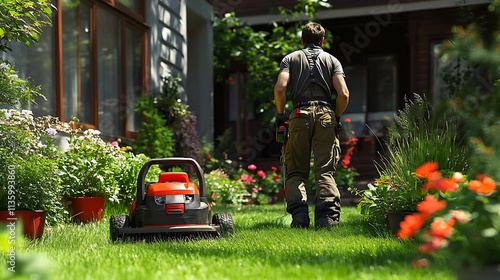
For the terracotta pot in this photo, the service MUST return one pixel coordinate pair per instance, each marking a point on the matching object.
(32, 221)
(395, 218)
(85, 209)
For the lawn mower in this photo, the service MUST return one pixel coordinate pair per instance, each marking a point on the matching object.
(172, 207)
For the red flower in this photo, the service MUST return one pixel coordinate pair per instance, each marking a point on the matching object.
(425, 169)
(430, 205)
(347, 120)
(274, 168)
(484, 185)
(443, 185)
(410, 225)
(441, 228)
(252, 167)
(432, 245)
(276, 178)
(261, 174)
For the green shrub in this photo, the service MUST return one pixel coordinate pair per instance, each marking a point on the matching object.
(155, 138)
(126, 170)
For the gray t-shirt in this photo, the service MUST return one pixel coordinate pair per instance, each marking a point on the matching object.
(324, 68)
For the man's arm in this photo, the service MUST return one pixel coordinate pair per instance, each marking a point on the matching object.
(342, 94)
(280, 91)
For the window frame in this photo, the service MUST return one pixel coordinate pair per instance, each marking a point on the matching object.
(127, 19)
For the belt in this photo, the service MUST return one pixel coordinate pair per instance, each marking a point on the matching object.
(312, 102)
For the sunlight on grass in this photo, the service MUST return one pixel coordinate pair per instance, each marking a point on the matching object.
(263, 247)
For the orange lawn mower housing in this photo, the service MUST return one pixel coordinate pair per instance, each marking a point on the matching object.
(172, 207)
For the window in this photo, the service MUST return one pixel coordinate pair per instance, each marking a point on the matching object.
(372, 89)
(100, 69)
(104, 66)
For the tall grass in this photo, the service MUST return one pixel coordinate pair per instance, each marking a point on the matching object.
(263, 247)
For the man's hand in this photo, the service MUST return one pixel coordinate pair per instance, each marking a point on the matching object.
(339, 126)
(281, 119)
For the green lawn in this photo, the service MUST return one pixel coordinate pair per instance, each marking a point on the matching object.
(263, 247)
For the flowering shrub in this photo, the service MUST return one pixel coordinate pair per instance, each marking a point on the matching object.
(28, 159)
(458, 218)
(262, 185)
(222, 190)
(86, 168)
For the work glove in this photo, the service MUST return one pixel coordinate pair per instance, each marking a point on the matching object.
(339, 126)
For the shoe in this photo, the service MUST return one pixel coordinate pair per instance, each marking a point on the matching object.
(325, 222)
(300, 220)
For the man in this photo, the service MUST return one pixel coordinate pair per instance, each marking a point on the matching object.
(320, 96)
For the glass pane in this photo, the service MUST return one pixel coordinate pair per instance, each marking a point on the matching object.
(355, 77)
(77, 90)
(381, 84)
(134, 75)
(108, 62)
(37, 62)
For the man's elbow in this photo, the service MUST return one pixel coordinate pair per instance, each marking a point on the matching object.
(344, 94)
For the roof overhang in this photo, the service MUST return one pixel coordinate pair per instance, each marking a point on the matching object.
(392, 6)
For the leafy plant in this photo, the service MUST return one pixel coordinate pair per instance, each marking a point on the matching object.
(180, 120)
(126, 170)
(155, 138)
(416, 138)
(222, 190)
(28, 158)
(86, 168)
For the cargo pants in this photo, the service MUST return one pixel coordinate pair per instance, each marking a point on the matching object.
(312, 128)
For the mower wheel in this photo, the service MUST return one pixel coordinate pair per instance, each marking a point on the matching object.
(225, 221)
(116, 222)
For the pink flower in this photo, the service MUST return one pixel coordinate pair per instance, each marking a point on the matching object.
(50, 131)
(114, 144)
(252, 167)
(256, 190)
(246, 178)
(214, 196)
(274, 168)
(261, 174)
(276, 178)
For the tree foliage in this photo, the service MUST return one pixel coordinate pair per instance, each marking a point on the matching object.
(20, 21)
(477, 101)
(23, 21)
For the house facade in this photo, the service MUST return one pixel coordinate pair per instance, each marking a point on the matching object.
(389, 50)
(99, 56)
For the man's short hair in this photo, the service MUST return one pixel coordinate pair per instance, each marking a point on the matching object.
(312, 33)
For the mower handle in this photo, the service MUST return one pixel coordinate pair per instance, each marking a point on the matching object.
(169, 161)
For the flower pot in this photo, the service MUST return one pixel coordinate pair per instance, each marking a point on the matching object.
(86, 209)
(32, 221)
(395, 218)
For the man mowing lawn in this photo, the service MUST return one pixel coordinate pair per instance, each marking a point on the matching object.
(320, 96)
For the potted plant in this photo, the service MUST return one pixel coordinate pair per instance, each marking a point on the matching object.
(459, 220)
(416, 138)
(28, 171)
(88, 176)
